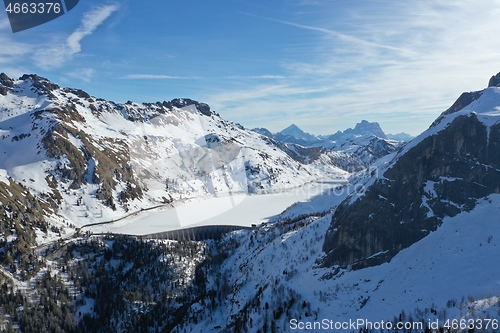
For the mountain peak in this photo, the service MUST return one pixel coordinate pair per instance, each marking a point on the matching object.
(363, 129)
(292, 129)
(494, 81)
(263, 131)
(5, 83)
(40, 82)
(366, 127)
(203, 108)
(467, 99)
(293, 134)
(293, 126)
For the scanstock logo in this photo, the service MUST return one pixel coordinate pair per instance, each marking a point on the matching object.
(26, 14)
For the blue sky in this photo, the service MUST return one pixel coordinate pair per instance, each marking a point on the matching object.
(323, 65)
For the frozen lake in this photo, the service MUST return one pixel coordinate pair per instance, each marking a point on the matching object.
(237, 209)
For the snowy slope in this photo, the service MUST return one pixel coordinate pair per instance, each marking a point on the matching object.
(415, 240)
(97, 160)
(444, 171)
(486, 108)
(452, 274)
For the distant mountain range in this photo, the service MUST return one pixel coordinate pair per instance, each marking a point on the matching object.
(363, 144)
(364, 129)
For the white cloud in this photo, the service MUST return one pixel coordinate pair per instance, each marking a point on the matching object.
(174, 77)
(84, 74)
(11, 51)
(156, 77)
(343, 36)
(4, 23)
(56, 55)
(90, 22)
(399, 63)
(257, 77)
(12, 48)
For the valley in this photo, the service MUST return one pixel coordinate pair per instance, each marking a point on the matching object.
(230, 209)
(338, 227)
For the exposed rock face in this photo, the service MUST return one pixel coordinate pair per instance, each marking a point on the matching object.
(465, 99)
(494, 81)
(364, 128)
(183, 102)
(42, 85)
(468, 97)
(443, 175)
(263, 131)
(5, 83)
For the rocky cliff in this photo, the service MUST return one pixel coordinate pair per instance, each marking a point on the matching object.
(441, 173)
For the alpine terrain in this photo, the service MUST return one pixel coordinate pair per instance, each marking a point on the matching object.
(401, 237)
(360, 145)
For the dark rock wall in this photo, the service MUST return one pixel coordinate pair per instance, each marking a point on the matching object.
(392, 215)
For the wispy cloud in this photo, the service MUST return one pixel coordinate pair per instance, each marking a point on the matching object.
(90, 22)
(56, 55)
(258, 77)
(157, 77)
(11, 50)
(267, 92)
(4, 23)
(175, 77)
(400, 64)
(342, 36)
(84, 74)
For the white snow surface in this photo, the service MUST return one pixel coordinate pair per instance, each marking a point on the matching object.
(457, 264)
(234, 209)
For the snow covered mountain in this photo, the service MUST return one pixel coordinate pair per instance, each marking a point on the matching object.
(413, 242)
(400, 137)
(364, 128)
(353, 149)
(443, 172)
(93, 160)
(293, 134)
(366, 141)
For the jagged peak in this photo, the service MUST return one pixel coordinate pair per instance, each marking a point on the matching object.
(5, 83)
(44, 86)
(41, 84)
(39, 79)
(372, 127)
(6, 80)
(78, 92)
(467, 98)
(203, 108)
(292, 126)
(363, 128)
(292, 129)
(263, 131)
(494, 81)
